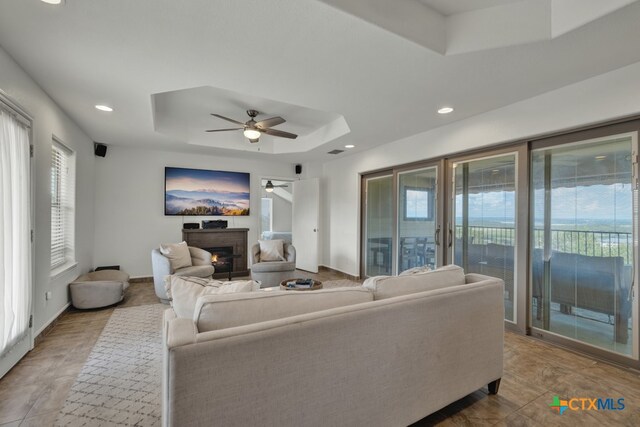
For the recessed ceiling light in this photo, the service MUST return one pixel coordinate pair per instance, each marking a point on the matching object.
(52, 1)
(104, 108)
(445, 110)
(349, 146)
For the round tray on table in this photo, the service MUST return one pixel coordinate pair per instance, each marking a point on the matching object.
(315, 285)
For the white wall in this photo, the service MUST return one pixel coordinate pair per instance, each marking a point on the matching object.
(48, 120)
(608, 96)
(129, 203)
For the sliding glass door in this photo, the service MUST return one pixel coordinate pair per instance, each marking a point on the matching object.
(582, 241)
(555, 218)
(401, 222)
(418, 229)
(483, 220)
(378, 225)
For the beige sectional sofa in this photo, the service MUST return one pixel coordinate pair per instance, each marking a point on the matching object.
(386, 355)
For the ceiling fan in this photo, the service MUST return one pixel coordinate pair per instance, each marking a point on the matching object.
(252, 129)
(269, 186)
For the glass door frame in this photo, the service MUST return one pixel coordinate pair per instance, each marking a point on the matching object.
(363, 219)
(521, 248)
(439, 210)
(584, 136)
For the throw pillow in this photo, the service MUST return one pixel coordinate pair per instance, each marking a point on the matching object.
(415, 270)
(184, 291)
(215, 312)
(372, 282)
(392, 286)
(178, 254)
(271, 250)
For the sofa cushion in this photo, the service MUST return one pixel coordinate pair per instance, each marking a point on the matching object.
(273, 266)
(271, 250)
(184, 291)
(392, 286)
(214, 312)
(196, 271)
(177, 253)
(106, 275)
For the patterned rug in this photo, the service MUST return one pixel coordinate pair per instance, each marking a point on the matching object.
(120, 383)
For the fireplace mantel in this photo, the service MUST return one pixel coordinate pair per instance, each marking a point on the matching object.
(218, 237)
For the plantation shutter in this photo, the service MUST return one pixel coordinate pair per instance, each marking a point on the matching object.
(61, 206)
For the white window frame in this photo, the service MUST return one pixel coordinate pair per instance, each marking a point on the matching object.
(63, 160)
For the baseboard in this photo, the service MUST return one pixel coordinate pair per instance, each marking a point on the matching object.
(333, 270)
(46, 328)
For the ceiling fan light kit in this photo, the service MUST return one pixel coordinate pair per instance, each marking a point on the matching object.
(251, 134)
(269, 186)
(252, 130)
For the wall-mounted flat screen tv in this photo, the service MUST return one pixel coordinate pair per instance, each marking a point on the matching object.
(202, 192)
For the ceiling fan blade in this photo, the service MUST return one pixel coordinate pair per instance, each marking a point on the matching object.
(222, 130)
(279, 133)
(267, 123)
(228, 119)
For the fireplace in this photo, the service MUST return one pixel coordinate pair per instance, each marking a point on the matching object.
(230, 242)
(219, 258)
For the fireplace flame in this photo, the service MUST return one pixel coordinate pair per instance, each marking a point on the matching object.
(214, 258)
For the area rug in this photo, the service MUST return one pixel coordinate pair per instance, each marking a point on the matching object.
(120, 383)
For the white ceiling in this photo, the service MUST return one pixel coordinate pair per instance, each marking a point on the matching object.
(186, 115)
(298, 52)
(451, 7)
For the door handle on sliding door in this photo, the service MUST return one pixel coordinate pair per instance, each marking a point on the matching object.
(450, 237)
(438, 236)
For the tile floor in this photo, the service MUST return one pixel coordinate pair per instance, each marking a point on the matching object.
(33, 392)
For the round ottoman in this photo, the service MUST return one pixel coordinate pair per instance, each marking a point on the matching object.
(99, 288)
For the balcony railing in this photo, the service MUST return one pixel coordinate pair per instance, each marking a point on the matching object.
(591, 243)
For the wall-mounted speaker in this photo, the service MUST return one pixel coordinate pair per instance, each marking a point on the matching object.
(100, 149)
(298, 169)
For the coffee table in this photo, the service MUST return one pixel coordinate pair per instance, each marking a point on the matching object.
(314, 286)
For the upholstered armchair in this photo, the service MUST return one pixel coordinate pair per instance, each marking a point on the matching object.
(271, 273)
(201, 267)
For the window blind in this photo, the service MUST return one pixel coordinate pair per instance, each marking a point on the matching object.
(61, 206)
